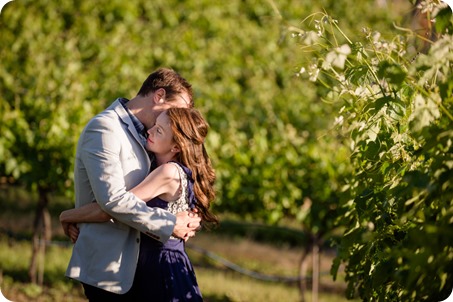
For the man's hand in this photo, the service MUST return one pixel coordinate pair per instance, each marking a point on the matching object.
(187, 224)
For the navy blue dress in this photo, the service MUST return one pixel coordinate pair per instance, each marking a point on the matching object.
(164, 271)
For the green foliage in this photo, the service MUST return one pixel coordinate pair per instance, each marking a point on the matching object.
(396, 116)
(267, 135)
(63, 62)
(42, 100)
(270, 137)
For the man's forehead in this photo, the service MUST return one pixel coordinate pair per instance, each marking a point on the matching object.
(184, 100)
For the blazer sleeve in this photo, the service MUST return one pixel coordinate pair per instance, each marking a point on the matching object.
(102, 153)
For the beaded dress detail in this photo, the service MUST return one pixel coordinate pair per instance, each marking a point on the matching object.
(181, 204)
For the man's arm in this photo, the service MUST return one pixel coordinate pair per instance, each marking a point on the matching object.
(162, 180)
(186, 222)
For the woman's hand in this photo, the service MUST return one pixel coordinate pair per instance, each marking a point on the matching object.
(71, 230)
(187, 224)
(91, 212)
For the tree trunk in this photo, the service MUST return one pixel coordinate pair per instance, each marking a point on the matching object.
(303, 273)
(313, 248)
(315, 278)
(41, 235)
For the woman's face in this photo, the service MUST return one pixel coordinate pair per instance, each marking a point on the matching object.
(160, 136)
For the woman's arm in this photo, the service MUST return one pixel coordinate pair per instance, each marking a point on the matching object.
(88, 213)
(163, 181)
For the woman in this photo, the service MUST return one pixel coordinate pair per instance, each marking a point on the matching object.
(183, 179)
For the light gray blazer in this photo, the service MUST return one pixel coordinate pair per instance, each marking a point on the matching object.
(109, 161)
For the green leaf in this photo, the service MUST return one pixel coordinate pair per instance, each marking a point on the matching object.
(393, 73)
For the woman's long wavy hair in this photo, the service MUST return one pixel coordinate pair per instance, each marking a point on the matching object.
(189, 132)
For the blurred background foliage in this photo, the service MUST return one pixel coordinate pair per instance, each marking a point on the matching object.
(273, 137)
(62, 62)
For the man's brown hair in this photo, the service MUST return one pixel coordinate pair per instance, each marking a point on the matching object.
(173, 83)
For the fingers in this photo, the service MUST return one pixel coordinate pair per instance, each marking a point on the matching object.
(65, 225)
(194, 218)
(187, 223)
(73, 232)
(194, 214)
(189, 235)
(195, 225)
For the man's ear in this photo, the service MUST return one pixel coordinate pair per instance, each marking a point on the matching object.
(159, 96)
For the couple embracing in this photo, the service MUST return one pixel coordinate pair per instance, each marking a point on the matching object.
(143, 184)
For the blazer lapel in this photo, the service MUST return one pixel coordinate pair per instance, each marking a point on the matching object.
(129, 125)
(125, 119)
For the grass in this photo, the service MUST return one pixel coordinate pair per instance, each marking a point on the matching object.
(236, 287)
(217, 282)
(257, 249)
(15, 257)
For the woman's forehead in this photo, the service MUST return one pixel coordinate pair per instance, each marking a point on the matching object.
(163, 120)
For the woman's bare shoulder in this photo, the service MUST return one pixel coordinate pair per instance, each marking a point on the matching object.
(169, 170)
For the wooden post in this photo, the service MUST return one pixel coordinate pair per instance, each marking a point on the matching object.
(41, 234)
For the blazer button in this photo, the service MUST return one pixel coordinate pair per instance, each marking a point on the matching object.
(138, 240)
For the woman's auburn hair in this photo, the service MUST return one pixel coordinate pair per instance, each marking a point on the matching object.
(189, 133)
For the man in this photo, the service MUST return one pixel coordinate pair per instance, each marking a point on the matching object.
(110, 160)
